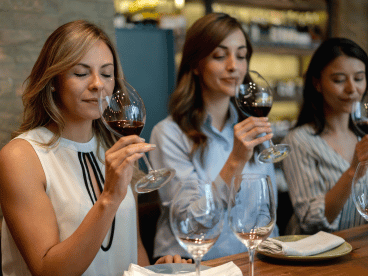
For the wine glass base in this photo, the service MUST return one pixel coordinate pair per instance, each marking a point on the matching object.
(274, 154)
(154, 180)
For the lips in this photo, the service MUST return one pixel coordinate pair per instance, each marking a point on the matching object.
(91, 101)
(230, 80)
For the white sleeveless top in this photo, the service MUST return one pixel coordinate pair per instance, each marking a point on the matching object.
(71, 194)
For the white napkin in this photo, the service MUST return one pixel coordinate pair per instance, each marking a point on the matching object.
(311, 245)
(228, 269)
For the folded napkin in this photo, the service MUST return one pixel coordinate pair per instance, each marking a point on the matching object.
(228, 269)
(312, 245)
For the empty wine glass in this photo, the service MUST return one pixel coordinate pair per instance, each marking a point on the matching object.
(123, 113)
(196, 218)
(251, 211)
(254, 98)
(359, 189)
(359, 114)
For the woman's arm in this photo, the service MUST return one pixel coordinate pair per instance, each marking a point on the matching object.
(307, 186)
(246, 137)
(336, 197)
(30, 216)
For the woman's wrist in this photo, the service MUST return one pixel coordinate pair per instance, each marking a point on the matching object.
(350, 172)
(109, 199)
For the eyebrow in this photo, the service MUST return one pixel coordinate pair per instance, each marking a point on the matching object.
(87, 66)
(356, 73)
(224, 47)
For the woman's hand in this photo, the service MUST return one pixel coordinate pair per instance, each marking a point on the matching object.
(168, 259)
(360, 153)
(246, 137)
(119, 162)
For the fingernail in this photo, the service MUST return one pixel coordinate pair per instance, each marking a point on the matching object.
(142, 139)
(152, 146)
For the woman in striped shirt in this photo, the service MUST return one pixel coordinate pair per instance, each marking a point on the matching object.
(326, 147)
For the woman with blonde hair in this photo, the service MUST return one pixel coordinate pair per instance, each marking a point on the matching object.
(205, 137)
(64, 191)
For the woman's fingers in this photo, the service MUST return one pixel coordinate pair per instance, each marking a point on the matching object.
(168, 259)
(250, 130)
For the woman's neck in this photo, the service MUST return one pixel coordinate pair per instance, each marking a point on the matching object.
(81, 133)
(218, 108)
(337, 123)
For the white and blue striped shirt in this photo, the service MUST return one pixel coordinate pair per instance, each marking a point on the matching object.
(311, 170)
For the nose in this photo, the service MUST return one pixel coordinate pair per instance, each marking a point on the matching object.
(96, 83)
(350, 86)
(231, 63)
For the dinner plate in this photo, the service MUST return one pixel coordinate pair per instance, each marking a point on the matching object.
(338, 251)
(174, 268)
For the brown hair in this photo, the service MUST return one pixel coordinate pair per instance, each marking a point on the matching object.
(63, 49)
(186, 104)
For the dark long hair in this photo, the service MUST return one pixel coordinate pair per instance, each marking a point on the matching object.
(312, 107)
(186, 104)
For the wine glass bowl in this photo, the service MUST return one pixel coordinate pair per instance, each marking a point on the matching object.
(196, 218)
(254, 98)
(251, 211)
(123, 113)
(359, 189)
(359, 114)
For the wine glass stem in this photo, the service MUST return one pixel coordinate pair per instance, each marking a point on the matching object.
(148, 165)
(197, 266)
(251, 262)
(271, 144)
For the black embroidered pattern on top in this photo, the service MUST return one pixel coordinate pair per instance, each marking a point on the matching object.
(83, 156)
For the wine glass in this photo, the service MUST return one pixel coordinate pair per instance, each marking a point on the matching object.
(254, 98)
(123, 113)
(359, 114)
(359, 189)
(196, 218)
(251, 211)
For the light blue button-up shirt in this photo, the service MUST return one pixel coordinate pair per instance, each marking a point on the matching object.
(173, 150)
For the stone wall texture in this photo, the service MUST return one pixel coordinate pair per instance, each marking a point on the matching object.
(24, 27)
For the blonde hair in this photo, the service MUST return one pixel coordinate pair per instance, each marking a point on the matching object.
(186, 104)
(63, 49)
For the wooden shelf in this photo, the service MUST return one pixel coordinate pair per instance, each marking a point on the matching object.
(283, 49)
(297, 5)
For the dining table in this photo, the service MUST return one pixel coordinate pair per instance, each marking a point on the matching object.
(354, 263)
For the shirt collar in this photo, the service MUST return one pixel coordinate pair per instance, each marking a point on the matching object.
(232, 120)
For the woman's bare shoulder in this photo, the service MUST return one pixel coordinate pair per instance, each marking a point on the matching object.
(19, 159)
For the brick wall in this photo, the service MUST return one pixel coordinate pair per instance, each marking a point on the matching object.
(24, 27)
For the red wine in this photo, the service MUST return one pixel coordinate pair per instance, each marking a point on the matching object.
(257, 111)
(126, 127)
(363, 126)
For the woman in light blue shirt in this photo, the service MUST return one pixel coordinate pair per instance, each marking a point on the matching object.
(205, 137)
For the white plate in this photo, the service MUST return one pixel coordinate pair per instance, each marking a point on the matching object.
(174, 268)
(339, 251)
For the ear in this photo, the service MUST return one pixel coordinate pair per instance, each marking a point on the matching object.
(196, 71)
(317, 84)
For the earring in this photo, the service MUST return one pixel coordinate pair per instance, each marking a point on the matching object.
(52, 89)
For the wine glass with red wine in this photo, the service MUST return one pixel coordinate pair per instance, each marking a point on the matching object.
(359, 114)
(254, 98)
(123, 113)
